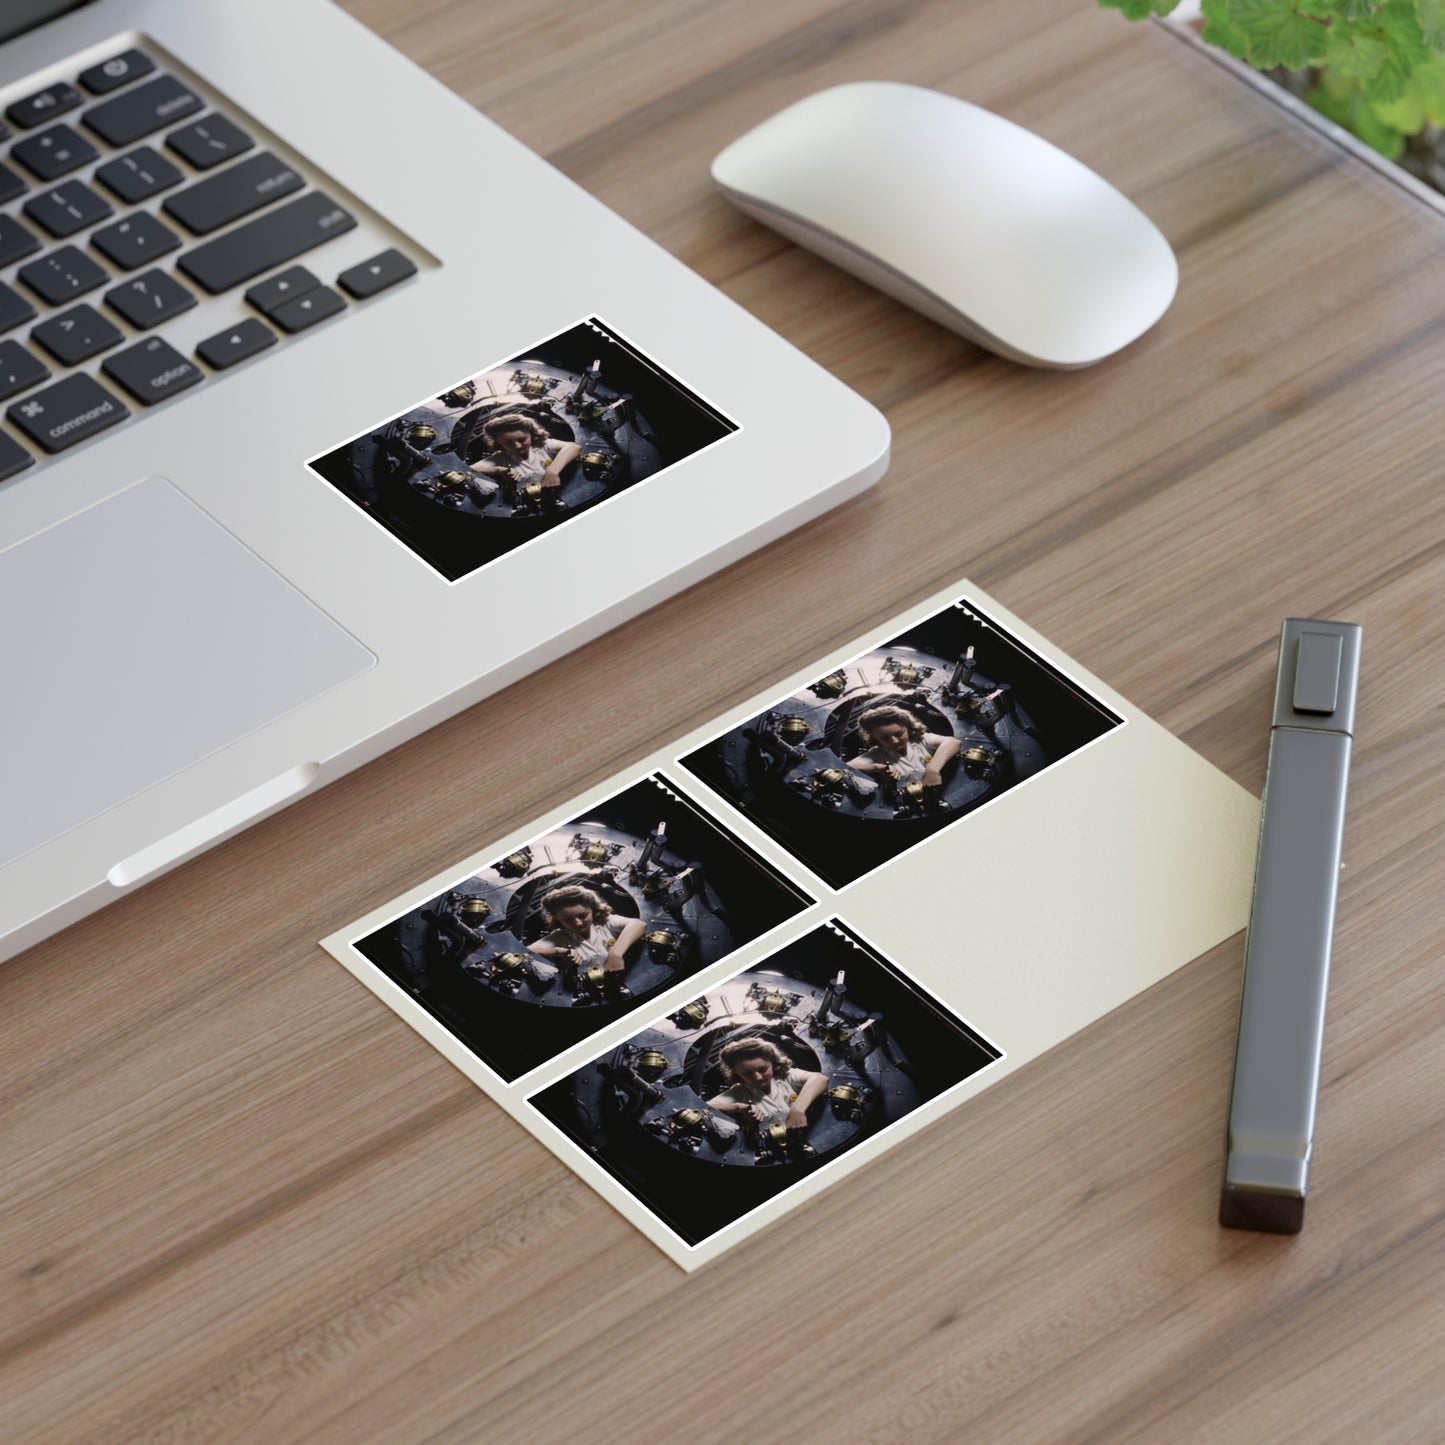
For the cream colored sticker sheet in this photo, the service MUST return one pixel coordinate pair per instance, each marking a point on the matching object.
(720, 981)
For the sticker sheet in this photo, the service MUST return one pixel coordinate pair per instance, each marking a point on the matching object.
(723, 979)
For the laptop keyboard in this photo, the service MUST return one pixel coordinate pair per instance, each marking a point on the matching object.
(128, 201)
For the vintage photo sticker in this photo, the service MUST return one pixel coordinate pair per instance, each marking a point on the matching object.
(764, 1081)
(532, 443)
(900, 742)
(582, 924)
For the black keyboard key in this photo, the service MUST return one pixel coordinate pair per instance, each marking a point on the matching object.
(117, 71)
(135, 241)
(13, 457)
(139, 175)
(15, 241)
(235, 192)
(14, 308)
(150, 299)
(10, 184)
(152, 370)
(19, 369)
(140, 111)
(285, 286)
(376, 274)
(62, 275)
(235, 344)
(206, 143)
(44, 105)
(68, 208)
(75, 408)
(53, 153)
(77, 335)
(266, 242)
(307, 310)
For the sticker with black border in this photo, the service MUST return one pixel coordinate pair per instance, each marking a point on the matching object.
(764, 1081)
(503, 457)
(890, 747)
(570, 931)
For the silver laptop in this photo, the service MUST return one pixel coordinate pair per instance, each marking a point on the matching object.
(326, 410)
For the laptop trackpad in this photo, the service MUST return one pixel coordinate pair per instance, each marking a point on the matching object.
(136, 639)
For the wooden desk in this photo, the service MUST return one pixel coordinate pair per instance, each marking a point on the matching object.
(241, 1200)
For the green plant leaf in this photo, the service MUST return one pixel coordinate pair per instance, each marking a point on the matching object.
(1431, 16)
(1406, 115)
(1276, 33)
(1390, 82)
(1377, 134)
(1428, 81)
(1219, 29)
(1139, 9)
(1401, 28)
(1356, 56)
(1339, 109)
(1358, 118)
(1357, 9)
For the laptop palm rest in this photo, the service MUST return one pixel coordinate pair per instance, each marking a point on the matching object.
(156, 639)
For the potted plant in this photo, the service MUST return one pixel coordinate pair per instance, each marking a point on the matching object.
(1374, 67)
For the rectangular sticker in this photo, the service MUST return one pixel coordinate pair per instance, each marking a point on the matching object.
(870, 759)
(527, 956)
(764, 1081)
(511, 453)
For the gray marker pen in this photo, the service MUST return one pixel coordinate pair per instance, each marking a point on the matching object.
(1291, 924)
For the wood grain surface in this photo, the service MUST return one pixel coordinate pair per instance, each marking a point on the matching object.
(243, 1201)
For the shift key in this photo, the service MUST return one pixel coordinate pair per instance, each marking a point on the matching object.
(266, 242)
(235, 192)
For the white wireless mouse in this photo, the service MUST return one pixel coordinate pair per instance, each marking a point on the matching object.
(976, 222)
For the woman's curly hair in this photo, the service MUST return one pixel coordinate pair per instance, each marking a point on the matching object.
(570, 894)
(876, 716)
(751, 1048)
(514, 421)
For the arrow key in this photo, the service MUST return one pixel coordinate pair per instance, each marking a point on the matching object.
(235, 344)
(307, 310)
(285, 286)
(376, 274)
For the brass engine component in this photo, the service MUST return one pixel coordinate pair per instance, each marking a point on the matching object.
(651, 1063)
(462, 395)
(515, 864)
